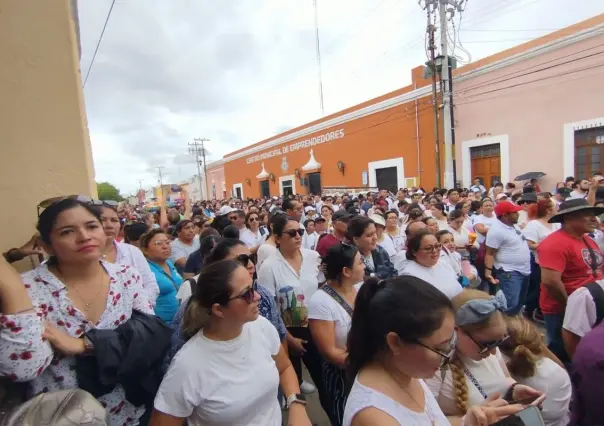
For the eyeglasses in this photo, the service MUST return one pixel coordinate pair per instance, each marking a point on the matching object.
(253, 219)
(233, 217)
(247, 295)
(160, 243)
(431, 249)
(488, 346)
(244, 259)
(292, 232)
(445, 356)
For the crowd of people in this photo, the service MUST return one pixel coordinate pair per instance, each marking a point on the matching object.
(459, 306)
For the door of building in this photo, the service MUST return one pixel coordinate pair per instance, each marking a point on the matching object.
(314, 183)
(265, 189)
(238, 192)
(386, 178)
(486, 164)
(588, 150)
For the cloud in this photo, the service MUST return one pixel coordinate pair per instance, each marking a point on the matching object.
(236, 72)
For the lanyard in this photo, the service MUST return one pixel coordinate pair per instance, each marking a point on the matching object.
(475, 382)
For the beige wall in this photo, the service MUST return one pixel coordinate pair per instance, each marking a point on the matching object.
(44, 142)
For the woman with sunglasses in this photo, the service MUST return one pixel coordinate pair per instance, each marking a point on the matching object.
(330, 314)
(225, 249)
(251, 235)
(478, 369)
(291, 277)
(155, 244)
(125, 254)
(424, 254)
(72, 293)
(230, 370)
(402, 333)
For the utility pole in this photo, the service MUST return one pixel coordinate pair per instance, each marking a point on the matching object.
(318, 53)
(432, 47)
(444, 77)
(198, 149)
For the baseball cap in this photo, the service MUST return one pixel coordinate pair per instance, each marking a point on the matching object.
(319, 219)
(341, 215)
(504, 207)
(309, 209)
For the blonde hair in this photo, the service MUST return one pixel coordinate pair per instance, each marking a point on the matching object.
(195, 318)
(460, 385)
(525, 347)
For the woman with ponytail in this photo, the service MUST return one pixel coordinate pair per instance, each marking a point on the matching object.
(225, 249)
(477, 371)
(230, 370)
(403, 332)
(530, 362)
(535, 231)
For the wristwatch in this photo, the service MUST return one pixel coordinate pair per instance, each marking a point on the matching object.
(296, 398)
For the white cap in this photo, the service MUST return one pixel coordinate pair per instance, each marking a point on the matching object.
(378, 219)
(309, 209)
(225, 210)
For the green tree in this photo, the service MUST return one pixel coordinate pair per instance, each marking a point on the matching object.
(107, 191)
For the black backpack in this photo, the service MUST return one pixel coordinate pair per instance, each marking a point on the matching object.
(597, 293)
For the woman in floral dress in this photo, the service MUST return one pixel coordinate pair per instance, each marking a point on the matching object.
(74, 292)
(291, 276)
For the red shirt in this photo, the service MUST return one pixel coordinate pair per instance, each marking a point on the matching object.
(563, 253)
(326, 243)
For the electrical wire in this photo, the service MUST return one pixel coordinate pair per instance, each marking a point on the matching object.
(531, 81)
(499, 78)
(99, 42)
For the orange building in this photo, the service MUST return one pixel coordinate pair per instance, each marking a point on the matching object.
(387, 142)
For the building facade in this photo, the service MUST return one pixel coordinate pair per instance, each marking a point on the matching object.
(216, 182)
(43, 128)
(530, 108)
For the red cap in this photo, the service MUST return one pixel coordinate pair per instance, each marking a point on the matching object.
(505, 207)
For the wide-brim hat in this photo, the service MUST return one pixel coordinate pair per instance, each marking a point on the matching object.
(572, 206)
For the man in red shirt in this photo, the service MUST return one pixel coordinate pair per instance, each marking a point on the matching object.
(339, 221)
(569, 259)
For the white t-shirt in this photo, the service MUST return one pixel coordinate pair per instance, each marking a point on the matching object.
(215, 383)
(309, 241)
(513, 253)
(388, 244)
(577, 194)
(536, 232)
(293, 291)
(440, 276)
(581, 314)
(486, 221)
(522, 218)
(323, 307)
(400, 261)
(250, 239)
(443, 224)
(264, 252)
(362, 397)
(488, 372)
(553, 381)
(184, 291)
(181, 250)
(462, 238)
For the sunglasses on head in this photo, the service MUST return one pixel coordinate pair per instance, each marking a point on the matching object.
(81, 198)
(292, 232)
(485, 347)
(247, 295)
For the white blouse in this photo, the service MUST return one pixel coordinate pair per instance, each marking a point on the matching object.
(293, 291)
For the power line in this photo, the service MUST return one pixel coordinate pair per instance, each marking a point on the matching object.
(99, 42)
(498, 79)
(526, 31)
(534, 81)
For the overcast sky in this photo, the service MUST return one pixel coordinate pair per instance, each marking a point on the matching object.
(239, 71)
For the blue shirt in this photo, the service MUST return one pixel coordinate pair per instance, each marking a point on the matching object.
(167, 303)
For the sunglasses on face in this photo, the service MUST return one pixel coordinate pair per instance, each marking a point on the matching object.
(446, 356)
(244, 259)
(253, 219)
(485, 347)
(233, 217)
(247, 295)
(292, 232)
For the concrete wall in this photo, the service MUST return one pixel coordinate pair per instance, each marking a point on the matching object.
(528, 110)
(216, 178)
(44, 141)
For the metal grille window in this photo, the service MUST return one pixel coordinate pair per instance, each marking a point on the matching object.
(485, 151)
(588, 150)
